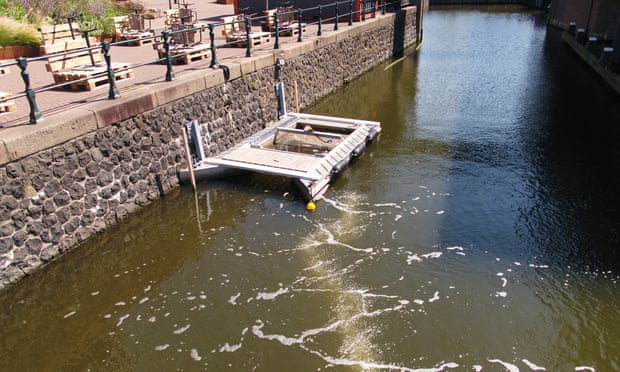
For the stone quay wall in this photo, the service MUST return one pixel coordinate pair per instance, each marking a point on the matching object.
(86, 169)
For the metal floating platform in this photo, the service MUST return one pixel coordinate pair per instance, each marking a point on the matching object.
(311, 149)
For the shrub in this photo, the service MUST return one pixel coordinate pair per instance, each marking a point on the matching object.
(18, 33)
(89, 14)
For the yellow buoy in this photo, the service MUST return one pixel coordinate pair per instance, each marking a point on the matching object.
(310, 206)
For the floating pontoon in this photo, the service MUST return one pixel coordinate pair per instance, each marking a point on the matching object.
(310, 149)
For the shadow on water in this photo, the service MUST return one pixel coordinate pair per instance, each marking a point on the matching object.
(575, 162)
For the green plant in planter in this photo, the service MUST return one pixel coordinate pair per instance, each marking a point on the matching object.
(14, 33)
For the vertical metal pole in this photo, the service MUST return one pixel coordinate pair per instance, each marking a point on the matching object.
(363, 4)
(350, 12)
(35, 114)
(248, 39)
(336, 23)
(113, 92)
(318, 33)
(276, 45)
(374, 9)
(90, 51)
(169, 73)
(299, 37)
(70, 21)
(212, 45)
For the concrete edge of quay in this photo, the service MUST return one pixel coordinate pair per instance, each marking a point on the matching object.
(86, 168)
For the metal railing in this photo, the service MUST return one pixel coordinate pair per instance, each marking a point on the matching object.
(164, 42)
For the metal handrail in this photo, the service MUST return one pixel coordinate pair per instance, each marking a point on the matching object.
(164, 39)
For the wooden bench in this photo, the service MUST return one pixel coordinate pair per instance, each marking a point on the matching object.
(235, 34)
(288, 24)
(184, 46)
(59, 33)
(132, 27)
(6, 106)
(70, 60)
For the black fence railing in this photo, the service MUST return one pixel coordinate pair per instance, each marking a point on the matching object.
(274, 24)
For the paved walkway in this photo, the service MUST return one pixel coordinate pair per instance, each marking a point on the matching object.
(54, 101)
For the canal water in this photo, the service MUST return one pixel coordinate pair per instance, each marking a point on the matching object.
(480, 232)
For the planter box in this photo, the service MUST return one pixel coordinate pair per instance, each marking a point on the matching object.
(12, 52)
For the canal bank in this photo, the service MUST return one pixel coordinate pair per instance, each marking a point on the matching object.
(88, 168)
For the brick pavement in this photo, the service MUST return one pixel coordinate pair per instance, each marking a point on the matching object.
(54, 101)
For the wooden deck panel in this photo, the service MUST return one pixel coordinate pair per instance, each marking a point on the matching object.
(270, 158)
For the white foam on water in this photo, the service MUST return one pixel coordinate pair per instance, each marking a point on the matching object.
(398, 217)
(343, 207)
(477, 367)
(435, 297)
(385, 205)
(584, 368)
(315, 266)
(539, 266)
(440, 212)
(364, 293)
(194, 355)
(257, 329)
(162, 347)
(501, 294)
(178, 331)
(367, 365)
(233, 299)
(455, 248)
(226, 348)
(121, 320)
(418, 301)
(94, 293)
(533, 366)
(509, 366)
(144, 300)
(69, 314)
(120, 303)
(269, 296)
(432, 255)
(504, 282)
(413, 258)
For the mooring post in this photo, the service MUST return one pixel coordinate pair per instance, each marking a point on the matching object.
(350, 12)
(318, 33)
(212, 45)
(572, 29)
(248, 39)
(35, 114)
(336, 20)
(299, 37)
(276, 45)
(169, 72)
(113, 92)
